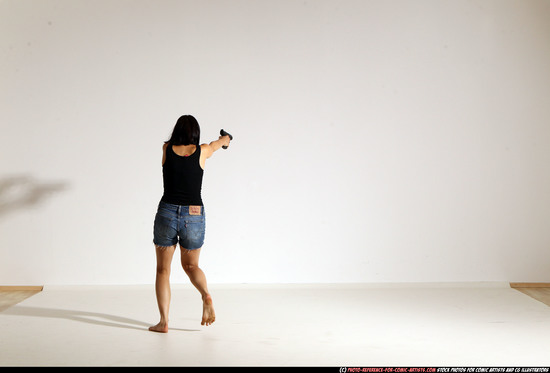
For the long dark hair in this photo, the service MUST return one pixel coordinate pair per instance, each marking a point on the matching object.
(186, 131)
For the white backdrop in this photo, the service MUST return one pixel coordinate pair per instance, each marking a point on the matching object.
(375, 141)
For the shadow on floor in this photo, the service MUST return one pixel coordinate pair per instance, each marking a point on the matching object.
(12, 297)
(95, 318)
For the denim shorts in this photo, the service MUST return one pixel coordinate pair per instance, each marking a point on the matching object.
(174, 224)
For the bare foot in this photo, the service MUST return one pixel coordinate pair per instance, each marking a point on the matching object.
(208, 315)
(161, 327)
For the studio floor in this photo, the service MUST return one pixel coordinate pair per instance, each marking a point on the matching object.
(280, 325)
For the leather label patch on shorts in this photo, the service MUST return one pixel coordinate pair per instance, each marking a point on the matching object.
(195, 210)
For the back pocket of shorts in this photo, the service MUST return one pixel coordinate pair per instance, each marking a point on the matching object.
(163, 229)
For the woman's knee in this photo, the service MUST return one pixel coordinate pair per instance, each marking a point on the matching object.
(189, 267)
(164, 259)
(190, 259)
(163, 270)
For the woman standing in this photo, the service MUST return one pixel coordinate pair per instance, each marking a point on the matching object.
(180, 216)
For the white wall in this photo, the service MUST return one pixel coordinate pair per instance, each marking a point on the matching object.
(375, 141)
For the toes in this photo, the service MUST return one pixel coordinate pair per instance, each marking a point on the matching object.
(208, 322)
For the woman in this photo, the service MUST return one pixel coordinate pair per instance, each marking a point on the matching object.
(180, 216)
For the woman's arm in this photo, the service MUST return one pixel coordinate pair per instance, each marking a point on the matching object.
(209, 149)
(164, 146)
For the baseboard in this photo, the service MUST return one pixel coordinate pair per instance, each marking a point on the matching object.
(336, 286)
(512, 285)
(21, 288)
(530, 284)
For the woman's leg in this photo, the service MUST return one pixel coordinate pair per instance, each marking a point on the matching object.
(162, 286)
(190, 264)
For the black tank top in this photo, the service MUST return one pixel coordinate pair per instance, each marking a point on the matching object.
(182, 178)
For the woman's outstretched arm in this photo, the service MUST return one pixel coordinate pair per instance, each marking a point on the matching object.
(209, 149)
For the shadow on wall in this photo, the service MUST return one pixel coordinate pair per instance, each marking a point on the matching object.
(20, 192)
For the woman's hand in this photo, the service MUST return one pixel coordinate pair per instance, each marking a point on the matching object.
(225, 140)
